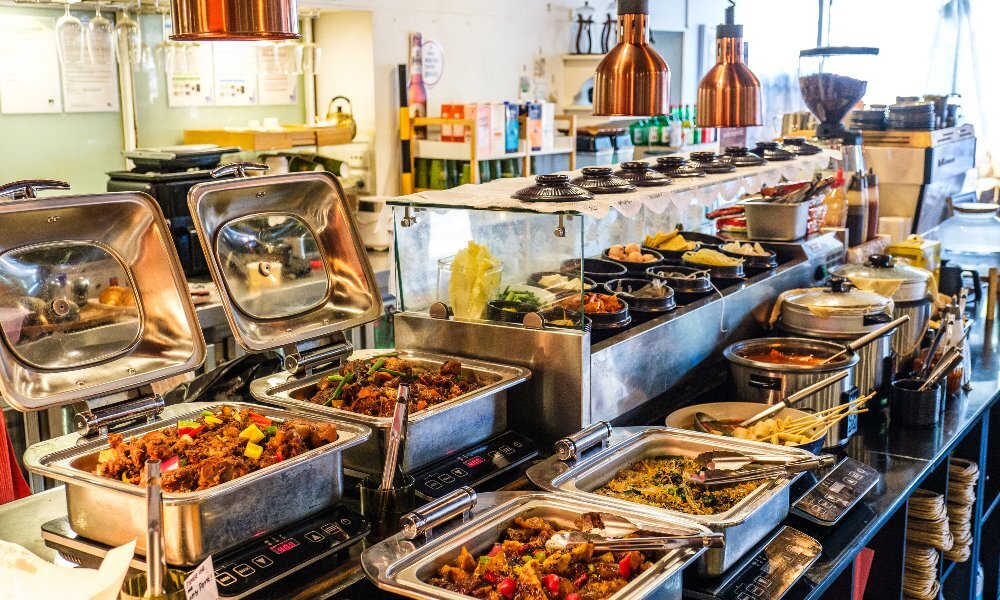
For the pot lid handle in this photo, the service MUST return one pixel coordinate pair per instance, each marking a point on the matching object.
(27, 188)
(840, 285)
(238, 168)
(881, 261)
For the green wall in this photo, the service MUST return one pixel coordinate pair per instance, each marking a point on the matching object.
(75, 147)
(82, 147)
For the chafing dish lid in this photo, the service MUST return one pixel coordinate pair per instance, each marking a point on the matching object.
(93, 301)
(286, 255)
(840, 299)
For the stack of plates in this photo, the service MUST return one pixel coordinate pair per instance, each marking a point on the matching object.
(911, 116)
(870, 119)
(962, 478)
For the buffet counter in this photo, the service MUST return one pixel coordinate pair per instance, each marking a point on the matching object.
(906, 458)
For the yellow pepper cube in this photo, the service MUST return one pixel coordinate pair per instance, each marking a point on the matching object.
(252, 433)
(211, 420)
(253, 451)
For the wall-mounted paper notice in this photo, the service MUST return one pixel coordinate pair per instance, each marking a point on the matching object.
(277, 65)
(235, 73)
(189, 75)
(29, 66)
(90, 88)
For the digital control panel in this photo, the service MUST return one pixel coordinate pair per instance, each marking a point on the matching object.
(475, 465)
(837, 493)
(267, 559)
(769, 573)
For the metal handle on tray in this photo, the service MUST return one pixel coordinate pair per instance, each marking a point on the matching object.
(573, 446)
(439, 511)
(26, 188)
(301, 361)
(100, 420)
(238, 168)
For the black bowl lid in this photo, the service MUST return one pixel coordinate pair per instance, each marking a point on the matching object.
(552, 188)
(601, 180)
(641, 174)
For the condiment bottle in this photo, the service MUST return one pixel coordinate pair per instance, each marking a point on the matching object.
(857, 210)
(836, 203)
(871, 181)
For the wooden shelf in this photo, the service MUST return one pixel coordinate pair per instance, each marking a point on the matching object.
(250, 140)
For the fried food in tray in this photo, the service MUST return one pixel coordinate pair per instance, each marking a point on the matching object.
(665, 482)
(368, 386)
(519, 566)
(214, 448)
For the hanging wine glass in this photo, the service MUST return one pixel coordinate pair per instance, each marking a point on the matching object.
(311, 55)
(70, 39)
(101, 39)
(128, 40)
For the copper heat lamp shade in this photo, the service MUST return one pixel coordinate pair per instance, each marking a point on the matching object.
(632, 79)
(729, 94)
(238, 20)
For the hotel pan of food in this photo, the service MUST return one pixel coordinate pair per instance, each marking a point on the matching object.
(507, 543)
(650, 472)
(58, 257)
(293, 275)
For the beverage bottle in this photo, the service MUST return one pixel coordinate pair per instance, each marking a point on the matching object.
(653, 131)
(696, 133)
(676, 136)
(664, 130)
(688, 126)
(416, 92)
(638, 133)
(857, 210)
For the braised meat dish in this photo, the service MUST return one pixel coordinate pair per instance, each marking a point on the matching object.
(665, 482)
(368, 386)
(215, 448)
(519, 566)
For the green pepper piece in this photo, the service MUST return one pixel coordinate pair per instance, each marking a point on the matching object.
(207, 413)
(375, 367)
(393, 373)
(340, 386)
(270, 430)
(387, 355)
(335, 378)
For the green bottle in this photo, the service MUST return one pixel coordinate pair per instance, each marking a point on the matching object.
(638, 132)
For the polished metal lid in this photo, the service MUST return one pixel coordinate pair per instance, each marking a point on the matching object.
(286, 255)
(883, 266)
(93, 301)
(839, 298)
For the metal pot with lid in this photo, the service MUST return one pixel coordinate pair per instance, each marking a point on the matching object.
(911, 288)
(842, 312)
(96, 309)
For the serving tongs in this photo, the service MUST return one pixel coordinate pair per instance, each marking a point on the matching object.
(730, 460)
(158, 582)
(714, 478)
(567, 540)
(805, 392)
(949, 360)
(868, 338)
(391, 474)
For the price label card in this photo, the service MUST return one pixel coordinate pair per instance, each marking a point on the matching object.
(772, 571)
(200, 583)
(837, 493)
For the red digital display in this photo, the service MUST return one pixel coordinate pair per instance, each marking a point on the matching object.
(475, 461)
(284, 546)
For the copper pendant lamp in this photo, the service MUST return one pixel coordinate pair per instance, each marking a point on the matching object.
(632, 79)
(729, 94)
(236, 20)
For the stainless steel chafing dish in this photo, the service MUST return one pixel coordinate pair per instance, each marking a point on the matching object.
(432, 433)
(195, 524)
(255, 231)
(434, 535)
(573, 472)
(95, 308)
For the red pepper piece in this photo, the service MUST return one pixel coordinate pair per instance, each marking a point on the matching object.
(551, 583)
(579, 581)
(496, 550)
(170, 464)
(492, 576)
(625, 566)
(507, 587)
(572, 596)
(259, 419)
(191, 431)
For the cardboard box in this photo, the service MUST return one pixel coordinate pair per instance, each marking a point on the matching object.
(448, 131)
(548, 126)
(498, 129)
(533, 125)
(512, 128)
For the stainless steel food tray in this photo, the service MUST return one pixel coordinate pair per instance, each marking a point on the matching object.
(742, 526)
(402, 566)
(432, 434)
(196, 524)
